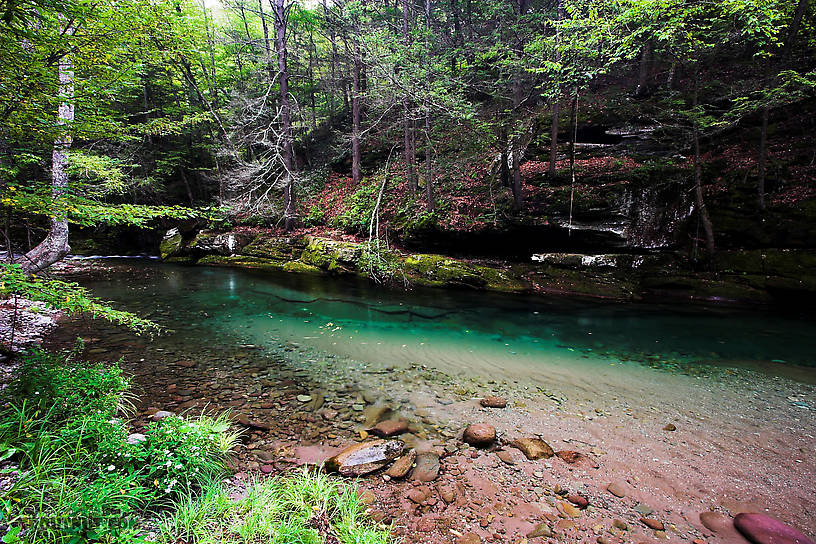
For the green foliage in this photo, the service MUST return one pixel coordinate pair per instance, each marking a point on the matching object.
(66, 296)
(78, 479)
(276, 510)
(382, 264)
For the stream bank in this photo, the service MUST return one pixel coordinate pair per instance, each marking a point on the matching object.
(742, 277)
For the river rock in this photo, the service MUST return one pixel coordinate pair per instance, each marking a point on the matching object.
(418, 494)
(762, 529)
(427, 467)
(493, 402)
(717, 522)
(161, 414)
(389, 427)
(653, 524)
(136, 438)
(571, 457)
(670, 427)
(617, 488)
(447, 492)
(578, 500)
(479, 434)
(506, 457)
(533, 448)
(402, 466)
(542, 529)
(364, 458)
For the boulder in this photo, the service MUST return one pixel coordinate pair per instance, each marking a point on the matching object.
(161, 414)
(533, 448)
(364, 458)
(479, 434)
(136, 438)
(762, 529)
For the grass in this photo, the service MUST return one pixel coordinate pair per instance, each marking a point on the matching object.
(302, 508)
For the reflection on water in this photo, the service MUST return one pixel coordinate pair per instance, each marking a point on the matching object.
(446, 329)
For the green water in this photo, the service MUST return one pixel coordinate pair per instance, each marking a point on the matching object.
(454, 331)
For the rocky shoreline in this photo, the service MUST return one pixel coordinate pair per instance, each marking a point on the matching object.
(645, 456)
(748, 277)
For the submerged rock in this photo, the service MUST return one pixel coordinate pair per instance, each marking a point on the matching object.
(364, 458)
(533, 448)
(389, 427)
(479, 434)
(762, 529)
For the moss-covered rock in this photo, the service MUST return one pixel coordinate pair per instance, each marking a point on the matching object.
(242, 261)
(301, 267)
(219, 243)
(281, 248)
(172, 245)
(333, 256)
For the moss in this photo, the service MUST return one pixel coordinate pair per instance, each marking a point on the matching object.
(241, 261)
(301, 267)
(171, 245)
(332, 255)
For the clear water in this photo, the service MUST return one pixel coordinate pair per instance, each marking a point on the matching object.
(454, 331)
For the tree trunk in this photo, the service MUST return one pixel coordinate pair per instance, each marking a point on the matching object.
(333, 60)
(355, 114)
(55, 245)
(801, 8)
(410, 156)
(504, 170)
(702, 211)
(429, 189)
(269, 64)
(763, 155)
(556, 106)
(289, 214)
(643, 75)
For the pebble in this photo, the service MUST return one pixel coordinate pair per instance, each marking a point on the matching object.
(389, 427)
(620, 524)
(304, 398)
(578, 500)
(418, 494)
(642, 509)
(653, 524)
(542, 529)
(670, 427)
(493, 402)
(617, 488)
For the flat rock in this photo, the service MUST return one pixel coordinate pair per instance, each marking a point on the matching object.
(479, 434)
(762, 529)
(493, 402)
(304, 398)
(389, 427)
(533, 448)
(427, 467)
(506, 457)
(618, 489)
(365, 457)
(161, 414)
(402, 466)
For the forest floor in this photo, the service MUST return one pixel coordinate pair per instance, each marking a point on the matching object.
(673, 446)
